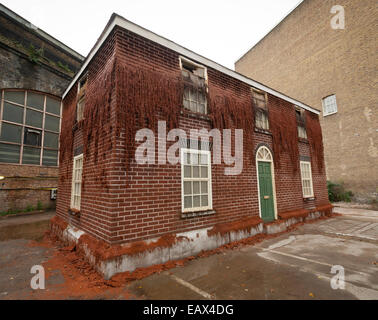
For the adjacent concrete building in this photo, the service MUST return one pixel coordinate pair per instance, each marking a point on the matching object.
(312, 56)
(35, 69)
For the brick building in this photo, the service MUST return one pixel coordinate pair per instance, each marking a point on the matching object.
(125, 214)
(333, 70)
(35, 69)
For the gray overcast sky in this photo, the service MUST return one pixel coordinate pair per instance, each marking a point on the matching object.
(219, 30)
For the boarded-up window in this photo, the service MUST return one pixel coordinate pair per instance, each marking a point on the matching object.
(301, 123)
(261, 109)
(194, 77)
(81, 99)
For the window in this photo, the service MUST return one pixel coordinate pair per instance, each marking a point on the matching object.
(301, 122)
(195, 89)
(76, 182)
(81, 99)
(196, 180)
(329, 105)
(29, 128)
(261, 109)
(306, 179)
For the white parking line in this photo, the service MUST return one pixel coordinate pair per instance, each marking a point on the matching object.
(191, 287)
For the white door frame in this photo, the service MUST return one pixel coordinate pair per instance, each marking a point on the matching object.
(262, 156)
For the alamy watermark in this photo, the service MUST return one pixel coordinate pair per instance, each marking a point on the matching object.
(38, 281)
(338, 20)
(220, 143)
(338, 281)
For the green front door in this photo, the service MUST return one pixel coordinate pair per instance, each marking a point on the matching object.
(266, 191)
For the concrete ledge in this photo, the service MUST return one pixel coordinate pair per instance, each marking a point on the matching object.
(301, 213)
(275, 227)
(109, 260)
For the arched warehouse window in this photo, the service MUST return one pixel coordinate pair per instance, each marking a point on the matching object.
(29, 128)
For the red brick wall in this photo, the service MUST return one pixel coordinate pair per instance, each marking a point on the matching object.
(144, 201)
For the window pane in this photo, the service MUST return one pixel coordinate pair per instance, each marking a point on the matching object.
(32, 137)
(51, 140)
(204, 187)
(52, 106)
(11, 133)
(15, 96)
(196, 201)
(9, 153)
(196, 172)
(186, 104)
(204, 158)
(34, 118)
(50, 158)
(193, 106)
(35, 100)
(196, 187)
(52, 123)
(194, 158)
(13, 113)
(187, 158)
(187, 172)
(188, 202)
(80, 110)
(205, 201)
(31, 155)
(187, 187)
(204, 172)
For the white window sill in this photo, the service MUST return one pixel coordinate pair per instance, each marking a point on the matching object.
(193, 214)
(329, 114)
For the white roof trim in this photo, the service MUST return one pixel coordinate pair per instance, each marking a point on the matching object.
(123, 23)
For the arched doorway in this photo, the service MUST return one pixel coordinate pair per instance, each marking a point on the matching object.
(265, 183)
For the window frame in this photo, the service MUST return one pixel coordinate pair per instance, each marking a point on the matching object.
(324, 106)
(209, 207)
(301, 122)
(24, 125)
(81, 97)
(182, 61)
(258, 110)
(75, 181)
(306, 196)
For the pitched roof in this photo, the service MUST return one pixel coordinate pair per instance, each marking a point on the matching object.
(117, 20)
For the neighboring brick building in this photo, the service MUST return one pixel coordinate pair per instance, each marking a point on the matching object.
(35, 69)
(304, 57)
(131, 79)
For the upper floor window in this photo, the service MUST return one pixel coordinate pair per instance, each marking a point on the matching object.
(301, 123)
(194, 76)
(29, 128)
(81, 98)
(261, 109)
(329, 105)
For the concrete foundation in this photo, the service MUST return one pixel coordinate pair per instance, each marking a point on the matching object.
(188, 244)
